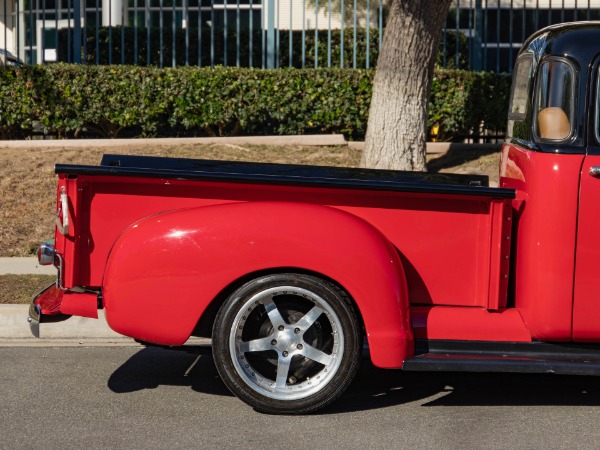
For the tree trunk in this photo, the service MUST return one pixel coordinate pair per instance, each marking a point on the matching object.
(397, 126)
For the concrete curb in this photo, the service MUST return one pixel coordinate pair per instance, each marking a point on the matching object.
(304, 140)
(75, 331)
(13, 325)
(24, 266)
(308, 140)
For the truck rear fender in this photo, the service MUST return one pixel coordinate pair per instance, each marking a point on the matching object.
(166, 270)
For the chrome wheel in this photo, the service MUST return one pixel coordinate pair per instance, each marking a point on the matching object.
(287, 343)
(288, 351)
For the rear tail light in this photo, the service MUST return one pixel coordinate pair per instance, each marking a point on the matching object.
(46, 254)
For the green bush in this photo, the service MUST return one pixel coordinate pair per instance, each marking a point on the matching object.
(462, 103)
(125, 101)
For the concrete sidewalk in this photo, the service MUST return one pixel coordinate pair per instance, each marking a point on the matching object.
(24, 266)
(321, 140)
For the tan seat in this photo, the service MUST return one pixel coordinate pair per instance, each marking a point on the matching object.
(553, 123)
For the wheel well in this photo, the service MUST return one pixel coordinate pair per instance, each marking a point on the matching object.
(205, 324)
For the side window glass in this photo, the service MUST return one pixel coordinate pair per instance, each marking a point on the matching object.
(520, 89)
(555, 98)
(519, 95)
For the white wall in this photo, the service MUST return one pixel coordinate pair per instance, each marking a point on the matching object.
(7, 28)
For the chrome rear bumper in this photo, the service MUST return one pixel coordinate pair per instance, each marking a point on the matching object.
(35, 316)
(45, 307)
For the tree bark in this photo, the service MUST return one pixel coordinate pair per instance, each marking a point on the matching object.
(397, 126)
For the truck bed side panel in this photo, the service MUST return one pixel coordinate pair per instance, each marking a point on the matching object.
(444, 240)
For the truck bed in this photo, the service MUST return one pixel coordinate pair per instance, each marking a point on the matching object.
(456, 217)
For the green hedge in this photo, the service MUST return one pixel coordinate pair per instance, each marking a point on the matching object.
(463, 102)
(123, 101)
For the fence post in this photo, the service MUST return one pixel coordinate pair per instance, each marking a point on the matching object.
(477, 33)
(77, 32)
(270, 34)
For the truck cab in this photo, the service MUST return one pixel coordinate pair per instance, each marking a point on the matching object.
(552, 159)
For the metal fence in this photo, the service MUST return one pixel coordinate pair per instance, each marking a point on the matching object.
(479, 34)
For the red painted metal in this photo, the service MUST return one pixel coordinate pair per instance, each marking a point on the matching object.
(500, 241)
(448, 251)
(80, 304)
(165, 270)
(453, 228)
(586, 309)
(441, 241)
(468, 324)
(546, 214)
(175, 245)
(50, 300)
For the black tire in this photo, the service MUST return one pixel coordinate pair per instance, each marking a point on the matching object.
(299, 327)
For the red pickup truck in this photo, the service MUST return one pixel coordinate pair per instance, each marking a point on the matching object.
(292, 269)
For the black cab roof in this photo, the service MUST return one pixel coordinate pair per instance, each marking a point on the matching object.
(543, 59)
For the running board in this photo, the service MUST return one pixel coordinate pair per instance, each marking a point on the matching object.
(453, 356)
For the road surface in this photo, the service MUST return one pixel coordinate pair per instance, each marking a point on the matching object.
(135, 397)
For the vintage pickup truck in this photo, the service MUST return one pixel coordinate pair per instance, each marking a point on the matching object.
(289, 269)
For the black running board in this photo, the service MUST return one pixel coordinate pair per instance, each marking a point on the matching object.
(453, 356)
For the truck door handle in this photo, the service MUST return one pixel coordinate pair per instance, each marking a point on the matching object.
(595, 171)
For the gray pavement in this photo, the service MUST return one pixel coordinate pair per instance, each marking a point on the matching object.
(143, 398)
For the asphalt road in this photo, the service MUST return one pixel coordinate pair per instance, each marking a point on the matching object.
(147, 398)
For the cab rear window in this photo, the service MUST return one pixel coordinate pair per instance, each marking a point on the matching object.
(554, 100)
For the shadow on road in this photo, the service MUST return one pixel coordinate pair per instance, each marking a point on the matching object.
(153, 367)
(373, 388)
(377, 388)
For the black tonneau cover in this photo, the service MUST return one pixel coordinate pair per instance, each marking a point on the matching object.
(288, 174)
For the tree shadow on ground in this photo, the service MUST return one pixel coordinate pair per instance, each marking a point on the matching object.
(459, 155)
(373, 388)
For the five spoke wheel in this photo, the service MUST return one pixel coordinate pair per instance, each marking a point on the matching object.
(280, 342)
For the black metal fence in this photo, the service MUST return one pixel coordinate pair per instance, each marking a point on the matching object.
(479, 34)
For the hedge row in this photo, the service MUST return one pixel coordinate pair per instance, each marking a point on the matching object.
(123, 101)
(105, 46)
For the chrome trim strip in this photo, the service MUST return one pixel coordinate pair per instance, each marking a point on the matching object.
(63, 227)
(61, 271)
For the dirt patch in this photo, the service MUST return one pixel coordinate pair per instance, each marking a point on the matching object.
(28, 182)
(21, 288)
(479, 161)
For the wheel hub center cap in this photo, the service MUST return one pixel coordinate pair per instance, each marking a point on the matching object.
(287, 340)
